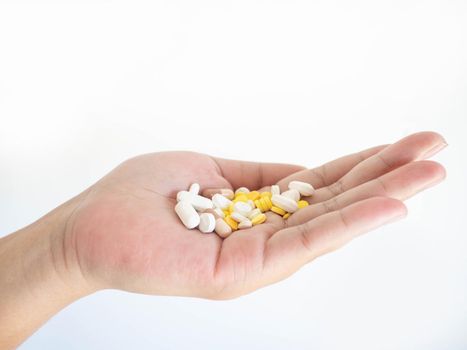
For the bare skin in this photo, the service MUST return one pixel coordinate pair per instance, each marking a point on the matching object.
(123, 233)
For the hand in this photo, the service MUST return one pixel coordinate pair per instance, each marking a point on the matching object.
(123, 232)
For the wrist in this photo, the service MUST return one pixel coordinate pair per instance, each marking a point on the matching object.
(62, 257)
(38, 277)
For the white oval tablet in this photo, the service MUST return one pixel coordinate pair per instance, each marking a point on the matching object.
(207, 222)
(285, 203)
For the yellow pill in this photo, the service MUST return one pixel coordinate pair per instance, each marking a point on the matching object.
(278, 210)
(267, 202)
(226, 212)
(286, 215)
(253, 195)
(231, 207)
(231, 222)
(259, 205)
(241, 197)
(302, 204)
(266, 194)
(259, 219)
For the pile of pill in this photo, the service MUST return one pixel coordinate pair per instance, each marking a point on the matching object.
(227, 211)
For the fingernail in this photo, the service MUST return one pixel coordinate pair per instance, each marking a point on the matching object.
(432, 151)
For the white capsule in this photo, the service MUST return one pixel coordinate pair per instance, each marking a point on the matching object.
(242, 208)
(242, 190)
(220, 201)
(304, 188)
(254, 213)
(194, 188)
(222, 228)
(285, 203)
(187, 214)
(238, 217)
(275, 189)
(292, 194)
(245, 224)
(207, 222)
(252, 204)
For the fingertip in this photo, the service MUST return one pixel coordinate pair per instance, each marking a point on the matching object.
(432, 169)
(385, 208)
(394, 208)
(400, 208)
(397, 210)
(209, 192)
(421, 174)
(440, 170)
(430, 142)
(430, 136)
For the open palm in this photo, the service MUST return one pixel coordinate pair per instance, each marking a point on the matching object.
(125, 234)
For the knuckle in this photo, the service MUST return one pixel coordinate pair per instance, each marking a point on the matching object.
(343, 220)
(337, 187)
(382, 186)
(385, 163)
(330, 205)
(320, 174)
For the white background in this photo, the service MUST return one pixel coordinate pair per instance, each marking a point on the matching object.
(85, 85)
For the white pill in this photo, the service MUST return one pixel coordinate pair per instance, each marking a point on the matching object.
(220, 201)
(245, 224)
(184, 195)
(215, 212)
(242, 190)
(238, 217)
(222, 228)
(227, 192)
(201, 203)
(186, 213)
(252, 204)
(292, 194)
(198, 202)
(194, 188)
(275, 189)
(289, 205)
(254, 213)
(242, 208)
(207, 222)
(219, 212)
(304, 188)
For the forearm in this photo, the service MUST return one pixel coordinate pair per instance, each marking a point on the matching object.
(36, 281)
